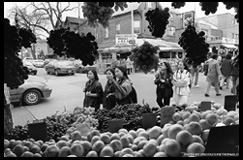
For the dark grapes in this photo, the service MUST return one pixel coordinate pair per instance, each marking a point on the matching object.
(209, 7)
(194, 45)
(178, 4)
(158, 19)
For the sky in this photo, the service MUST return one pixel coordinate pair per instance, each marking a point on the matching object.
(190, 6)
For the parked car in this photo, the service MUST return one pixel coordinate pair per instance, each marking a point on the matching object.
(31, 92)
(38, 63)
(32, 69)
(29, 59)
(46, 61)
(60, 67)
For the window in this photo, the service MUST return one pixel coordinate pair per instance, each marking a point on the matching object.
(136, 26)
(107, 32)
(118, 28)
(106, 57)
(171, 31)
(233, 35)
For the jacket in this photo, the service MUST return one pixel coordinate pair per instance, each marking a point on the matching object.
(226, 67)
(213, 71)
(181, 81)
(110, 101)
(93, 87)
(165, 86)
(123, 89)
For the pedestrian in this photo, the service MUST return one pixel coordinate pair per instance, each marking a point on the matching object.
(213, 75)
(93, 91)
(163, 80)
(235, 73)
(195, 75)
(129, 66)
(226, 68)
(109, 100)
(181, 81)
(123, 86)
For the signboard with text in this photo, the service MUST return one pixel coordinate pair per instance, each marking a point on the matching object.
(188, 17)
(125, 39)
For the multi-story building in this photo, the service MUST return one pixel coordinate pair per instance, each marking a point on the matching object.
(129, 28)
(226, 36)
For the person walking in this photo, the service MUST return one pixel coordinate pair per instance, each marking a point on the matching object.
(181, 81)
(93, 91)
(195, 75)
(123, 86)
(109, 100)
(129, 66)
(213, 75)
(226, 68)
(163, 80)
(235, 73)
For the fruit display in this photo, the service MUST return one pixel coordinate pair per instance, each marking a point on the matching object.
(58, 125)
(185, 135)
(131, 114)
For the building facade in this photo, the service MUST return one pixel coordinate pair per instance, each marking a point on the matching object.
(226, 37)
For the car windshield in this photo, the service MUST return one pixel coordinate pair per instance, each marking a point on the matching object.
(28, 64)
(64, 63)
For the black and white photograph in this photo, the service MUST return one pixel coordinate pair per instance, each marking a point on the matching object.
(121, 79)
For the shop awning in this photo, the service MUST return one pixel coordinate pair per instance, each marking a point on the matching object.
(230, 46)
(163, 45)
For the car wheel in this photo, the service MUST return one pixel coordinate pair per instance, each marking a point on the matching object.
(32, 97)
(56, 73)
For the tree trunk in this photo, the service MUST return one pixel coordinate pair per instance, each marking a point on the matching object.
(8, 121)
(32, 48)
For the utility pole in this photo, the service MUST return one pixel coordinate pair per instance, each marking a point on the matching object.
(78, 18)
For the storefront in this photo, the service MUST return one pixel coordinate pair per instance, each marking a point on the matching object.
(124, 44)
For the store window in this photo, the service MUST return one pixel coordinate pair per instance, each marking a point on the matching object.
(173, 54)
(137, 26)
(180, 55)
(164, 54)
(106, 57)
(107, 32)
(118, 28)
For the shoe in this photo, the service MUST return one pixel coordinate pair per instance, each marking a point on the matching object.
(206, 95)
(196, 86)
(221, 88)
(218, 94)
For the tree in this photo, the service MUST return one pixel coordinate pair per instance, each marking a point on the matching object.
(43, 14)
(14, 71)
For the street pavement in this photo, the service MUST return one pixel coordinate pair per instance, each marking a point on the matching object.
(67, 94)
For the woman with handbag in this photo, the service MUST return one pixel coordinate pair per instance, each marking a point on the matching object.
(164, 89)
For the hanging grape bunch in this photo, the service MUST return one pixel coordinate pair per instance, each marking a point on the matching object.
(97, 14)
(194, 45)
(55, 41)
(235, 5)
(145, 58)
(178, 4)
(158, 19)
(209, 7)
(14, 71)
